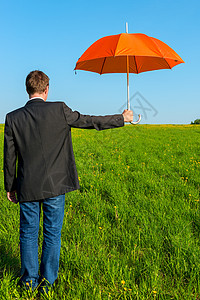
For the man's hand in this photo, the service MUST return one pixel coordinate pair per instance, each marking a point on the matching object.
(128, 115)
(12, 196)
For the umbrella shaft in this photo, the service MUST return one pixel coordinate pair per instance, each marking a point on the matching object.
(128, 101)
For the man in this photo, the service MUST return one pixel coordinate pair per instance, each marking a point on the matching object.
(38, 139)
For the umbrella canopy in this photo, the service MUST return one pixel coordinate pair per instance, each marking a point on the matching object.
(128, 53)
(109, 55)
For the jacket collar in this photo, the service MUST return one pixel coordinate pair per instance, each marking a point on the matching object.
(35, 100)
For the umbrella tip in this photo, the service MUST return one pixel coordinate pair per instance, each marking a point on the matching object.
(126, 27)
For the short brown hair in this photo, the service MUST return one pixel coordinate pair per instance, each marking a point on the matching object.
(36, 82)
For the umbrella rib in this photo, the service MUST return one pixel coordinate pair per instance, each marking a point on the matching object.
(103, 65)
(135, 65)
(167, 63)
(160, 52)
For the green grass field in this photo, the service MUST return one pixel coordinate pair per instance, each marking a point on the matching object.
(132, 230)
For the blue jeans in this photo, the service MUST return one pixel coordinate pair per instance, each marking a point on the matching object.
(53, 213)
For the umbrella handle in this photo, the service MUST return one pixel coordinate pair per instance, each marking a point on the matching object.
(134, 123)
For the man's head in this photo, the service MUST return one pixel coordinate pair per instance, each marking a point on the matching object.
(37, 84)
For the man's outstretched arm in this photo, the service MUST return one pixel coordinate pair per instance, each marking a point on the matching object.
(75, 119)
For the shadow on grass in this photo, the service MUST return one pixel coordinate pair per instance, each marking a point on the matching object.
(8, 261)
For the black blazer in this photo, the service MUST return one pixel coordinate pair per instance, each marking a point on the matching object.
(37, 141)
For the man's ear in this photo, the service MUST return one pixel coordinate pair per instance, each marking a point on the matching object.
(45, 94)
(46, 90)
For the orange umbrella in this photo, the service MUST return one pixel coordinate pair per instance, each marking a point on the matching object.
(128, 53)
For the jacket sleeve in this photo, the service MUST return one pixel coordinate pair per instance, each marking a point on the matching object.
(10, 156)
(75, 119)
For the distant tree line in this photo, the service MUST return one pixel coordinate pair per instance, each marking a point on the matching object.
(197, 121)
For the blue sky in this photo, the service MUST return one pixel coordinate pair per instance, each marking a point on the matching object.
(52, 35)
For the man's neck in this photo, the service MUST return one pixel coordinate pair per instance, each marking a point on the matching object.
(36, 97)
